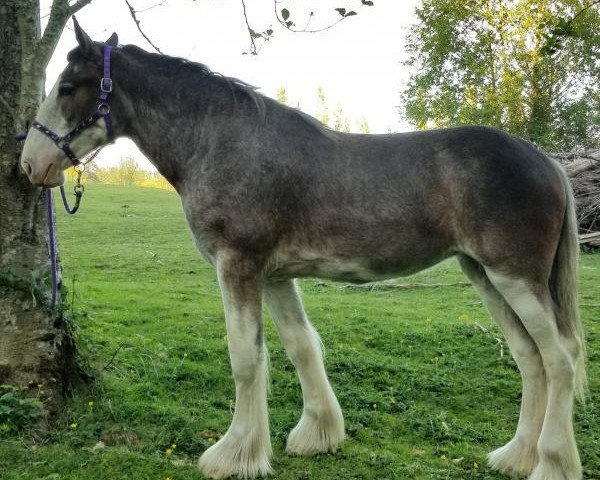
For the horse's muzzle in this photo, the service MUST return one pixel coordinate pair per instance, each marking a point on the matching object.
(47, 175)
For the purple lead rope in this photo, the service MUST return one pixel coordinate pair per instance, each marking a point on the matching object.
(52, 234)
(52, 246)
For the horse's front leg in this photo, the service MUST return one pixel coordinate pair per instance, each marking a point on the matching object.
(245, 450)
(321, 427)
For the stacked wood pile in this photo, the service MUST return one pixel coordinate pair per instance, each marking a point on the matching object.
(584, 170)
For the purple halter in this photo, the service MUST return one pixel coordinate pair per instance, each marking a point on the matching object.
(102, 111)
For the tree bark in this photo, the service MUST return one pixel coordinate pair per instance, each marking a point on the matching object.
(36, 343)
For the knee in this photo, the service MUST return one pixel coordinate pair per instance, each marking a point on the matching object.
(574, 346)
(528, 358)
(303, 347)
(246, 368)
(302, 352)
(560, 367)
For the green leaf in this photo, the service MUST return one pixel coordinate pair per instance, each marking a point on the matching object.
(253, 34)
(341, 11)
(368, 3)
(269, 32)
(289, 24)
(351, 13)
(285, 14)
(564, 28)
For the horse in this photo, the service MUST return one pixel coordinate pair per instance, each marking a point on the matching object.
(271, 195)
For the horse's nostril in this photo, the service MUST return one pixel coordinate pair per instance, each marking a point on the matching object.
(27, 168)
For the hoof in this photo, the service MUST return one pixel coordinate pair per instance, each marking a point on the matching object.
(516, 459)
(243, 456)
(558, 464)
(554, 471)
(312, 435)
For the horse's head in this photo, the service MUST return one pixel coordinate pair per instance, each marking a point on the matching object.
(74, 101)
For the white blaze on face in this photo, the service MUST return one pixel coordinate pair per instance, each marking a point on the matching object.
(41, 159)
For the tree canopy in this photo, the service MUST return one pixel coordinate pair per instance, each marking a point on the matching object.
(530, 67)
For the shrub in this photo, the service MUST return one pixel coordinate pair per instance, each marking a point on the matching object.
(17, 410)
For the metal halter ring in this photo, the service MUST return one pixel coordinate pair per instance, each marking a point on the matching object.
(103, 108)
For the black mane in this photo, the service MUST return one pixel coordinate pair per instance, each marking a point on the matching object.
(178, 69)
(183, 69)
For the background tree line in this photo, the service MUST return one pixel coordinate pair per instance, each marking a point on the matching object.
(126, 172)
(530, 67)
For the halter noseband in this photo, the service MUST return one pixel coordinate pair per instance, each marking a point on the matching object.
(102, 111)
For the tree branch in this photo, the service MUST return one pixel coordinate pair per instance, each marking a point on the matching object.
(79, 5)
(137, 24)
(59, 14)
(162, 2)
(283, 18)
(389, 285)
(595, 2)
(253, 49)
(289, 25)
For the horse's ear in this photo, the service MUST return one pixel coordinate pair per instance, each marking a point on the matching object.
(113, 40)
(83, 39)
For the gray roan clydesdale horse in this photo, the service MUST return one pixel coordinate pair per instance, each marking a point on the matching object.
(270, 194)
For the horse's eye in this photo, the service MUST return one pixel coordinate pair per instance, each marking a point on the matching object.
(65, 89)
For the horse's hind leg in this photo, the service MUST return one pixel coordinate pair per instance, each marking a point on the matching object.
(321, 427)
(245, 449)
(519, 456)
(531, 300)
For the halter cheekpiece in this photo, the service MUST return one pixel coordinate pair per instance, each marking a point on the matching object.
(102, 111)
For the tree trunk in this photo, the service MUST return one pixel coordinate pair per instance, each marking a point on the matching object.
(36, 344)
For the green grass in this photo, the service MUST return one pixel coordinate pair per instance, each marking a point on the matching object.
(426, 393)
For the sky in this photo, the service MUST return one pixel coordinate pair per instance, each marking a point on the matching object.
(358, 63)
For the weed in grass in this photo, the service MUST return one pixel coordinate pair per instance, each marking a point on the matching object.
(18, 410)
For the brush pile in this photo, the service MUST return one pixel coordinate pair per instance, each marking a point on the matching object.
(584, 170)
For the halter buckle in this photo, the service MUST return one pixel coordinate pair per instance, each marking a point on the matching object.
(106, 85)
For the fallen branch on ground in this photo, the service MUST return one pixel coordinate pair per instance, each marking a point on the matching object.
(583, 168)
(390, 286)
(592, 239)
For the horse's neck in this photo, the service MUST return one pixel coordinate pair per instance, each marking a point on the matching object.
(158, 138)
(167, 128)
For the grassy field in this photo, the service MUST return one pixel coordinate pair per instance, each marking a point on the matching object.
(424, 378)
